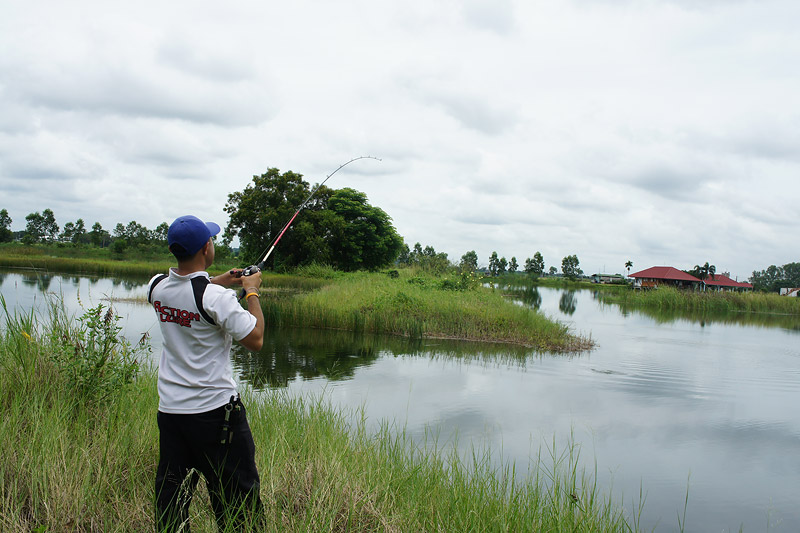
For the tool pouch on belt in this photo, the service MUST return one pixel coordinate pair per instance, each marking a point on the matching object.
(226, 435)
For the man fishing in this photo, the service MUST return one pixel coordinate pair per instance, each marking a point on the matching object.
(202, 423)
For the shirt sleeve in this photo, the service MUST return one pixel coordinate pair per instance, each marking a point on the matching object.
(224, 308)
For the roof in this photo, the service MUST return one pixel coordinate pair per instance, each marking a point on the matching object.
(670, 273)
(664, 272)
(718, 280)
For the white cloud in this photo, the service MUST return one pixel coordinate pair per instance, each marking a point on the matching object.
(660, 132)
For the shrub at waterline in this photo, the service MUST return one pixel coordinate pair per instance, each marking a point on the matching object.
(91, 467)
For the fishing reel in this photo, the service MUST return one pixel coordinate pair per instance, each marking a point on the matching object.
(249, 271)
(252, 269)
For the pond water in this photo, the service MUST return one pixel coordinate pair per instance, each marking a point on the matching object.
(707, 405)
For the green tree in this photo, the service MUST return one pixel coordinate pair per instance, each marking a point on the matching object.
(416, 254)
(367, 239)
(791, 274)
(628, 265)
(494, 264)
(79, 232)
(336, 227)
(501, 265)
(428, 259)
(34, 228)
(704, 271)
(136, 234)
(553, 271)
(774, 278)
(98, 236)
(469, 262)
(512, 265)
(528, 268)
(538, 264)
(5, 226)
(259, 213)
(404, 258)
(570, 267)
(159, 234)
(49, 225)
(67, 232)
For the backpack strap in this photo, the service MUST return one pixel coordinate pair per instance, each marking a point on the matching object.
(155, 282)
(199, 284)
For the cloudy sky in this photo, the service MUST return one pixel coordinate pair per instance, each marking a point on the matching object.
(665, 132)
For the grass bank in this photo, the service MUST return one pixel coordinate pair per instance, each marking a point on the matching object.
(78, 452)
(667, 298)
(69, 259)
(420, 307)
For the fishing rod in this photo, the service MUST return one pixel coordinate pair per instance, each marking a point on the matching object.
(252, 269)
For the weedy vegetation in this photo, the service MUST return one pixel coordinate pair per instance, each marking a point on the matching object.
(78, 452)
(668, 298)
(416, 305)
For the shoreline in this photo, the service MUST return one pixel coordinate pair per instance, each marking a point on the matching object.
(321, 469)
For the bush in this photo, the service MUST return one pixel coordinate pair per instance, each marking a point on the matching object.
(95, 360)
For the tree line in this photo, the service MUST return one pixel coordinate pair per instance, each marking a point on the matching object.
(775, 278)
(43, 228)
(338, 227)
(534, 266)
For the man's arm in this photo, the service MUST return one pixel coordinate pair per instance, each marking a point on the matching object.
(255, 339)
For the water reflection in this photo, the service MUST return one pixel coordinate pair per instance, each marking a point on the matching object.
(528, 295)
(568, 303)
(304, 354)
(39, 280)
(128, 284)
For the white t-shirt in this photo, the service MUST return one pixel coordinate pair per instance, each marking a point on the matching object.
(195, 374)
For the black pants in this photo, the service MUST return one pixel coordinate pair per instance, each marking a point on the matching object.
(190, 445)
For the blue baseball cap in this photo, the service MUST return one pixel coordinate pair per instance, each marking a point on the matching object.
(191, 233)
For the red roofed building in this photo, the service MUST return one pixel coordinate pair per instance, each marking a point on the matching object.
(669, 276)
(721, 282)
(663, 275)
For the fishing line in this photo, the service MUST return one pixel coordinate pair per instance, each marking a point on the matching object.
(252, 269)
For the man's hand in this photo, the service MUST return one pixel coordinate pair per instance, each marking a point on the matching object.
(229, 279)
(251, 283)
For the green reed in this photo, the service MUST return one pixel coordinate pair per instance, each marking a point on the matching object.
(417, 307)
(668, 298)
(71, 465)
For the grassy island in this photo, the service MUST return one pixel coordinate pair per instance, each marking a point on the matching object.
(406, 303)
(78, 452)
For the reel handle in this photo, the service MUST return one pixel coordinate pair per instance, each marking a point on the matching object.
(252, 269)
(249, 271)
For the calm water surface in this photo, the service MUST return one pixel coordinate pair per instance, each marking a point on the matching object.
(663, 403)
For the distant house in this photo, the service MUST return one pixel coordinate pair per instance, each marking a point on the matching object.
(664, 276)
(721, 282)
(669, 276)
(608, 278)
(792, 293)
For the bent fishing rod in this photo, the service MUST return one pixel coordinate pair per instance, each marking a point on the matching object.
(252, 269)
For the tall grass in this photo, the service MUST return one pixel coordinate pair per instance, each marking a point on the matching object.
(420, 307)
(67, 464)
(668, 298)
(87, 260)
